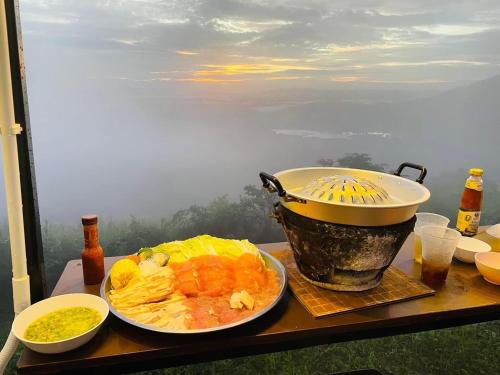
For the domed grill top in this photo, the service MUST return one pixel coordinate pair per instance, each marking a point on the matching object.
(346, 189)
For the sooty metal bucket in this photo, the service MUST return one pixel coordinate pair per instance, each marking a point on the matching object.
(342, 257)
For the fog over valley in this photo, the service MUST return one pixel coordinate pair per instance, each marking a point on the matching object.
(147, 109)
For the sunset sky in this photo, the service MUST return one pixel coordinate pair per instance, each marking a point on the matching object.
(312, 43)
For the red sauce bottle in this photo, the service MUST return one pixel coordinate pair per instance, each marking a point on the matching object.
(469, 213)
(92, 255)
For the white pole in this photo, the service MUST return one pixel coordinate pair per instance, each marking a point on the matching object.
(9, 130)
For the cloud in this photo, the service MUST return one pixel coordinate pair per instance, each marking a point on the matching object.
(336, 49)
(186, 53)
(358, 79)
(432, 62)
(242, 69)
(126, 42)
(285, 38)
(49, 19)
(345, 79)
(163, 79)
(407, 82)
(287, 78)
(327, 135)
(209, 80)
(258, 11)
(453, 30)
(242, 26)
(170, 21)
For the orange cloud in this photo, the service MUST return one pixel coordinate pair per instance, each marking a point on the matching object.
(345, 79)
(209, 80)
(238, 69)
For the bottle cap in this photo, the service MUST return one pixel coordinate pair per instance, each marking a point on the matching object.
(89, 219)
(476, 171)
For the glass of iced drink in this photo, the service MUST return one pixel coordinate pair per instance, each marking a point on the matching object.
(426, 218)
(438, 246)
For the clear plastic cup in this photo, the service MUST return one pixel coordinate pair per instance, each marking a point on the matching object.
(426, 218)
(438, 245)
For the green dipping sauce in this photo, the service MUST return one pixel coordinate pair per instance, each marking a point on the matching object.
(63, 324)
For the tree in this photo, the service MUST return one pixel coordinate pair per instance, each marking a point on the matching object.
(354, 160)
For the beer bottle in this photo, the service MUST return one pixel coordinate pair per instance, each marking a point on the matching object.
(470, 205)
(92, 255)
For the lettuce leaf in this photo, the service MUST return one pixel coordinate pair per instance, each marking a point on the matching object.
(180, 251)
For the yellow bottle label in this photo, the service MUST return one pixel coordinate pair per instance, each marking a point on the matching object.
(468, 222)
(474, 184)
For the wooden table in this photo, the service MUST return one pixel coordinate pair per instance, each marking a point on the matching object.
(466, 298)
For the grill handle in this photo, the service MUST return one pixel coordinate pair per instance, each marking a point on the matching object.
(273, 185)
(423, 170)
(267, 180)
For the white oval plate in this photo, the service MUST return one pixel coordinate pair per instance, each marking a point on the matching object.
(271, 262)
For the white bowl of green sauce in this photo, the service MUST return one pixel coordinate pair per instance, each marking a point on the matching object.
(61, 323)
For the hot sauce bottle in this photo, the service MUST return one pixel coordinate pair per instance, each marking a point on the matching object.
(470, 206)
(92, 255)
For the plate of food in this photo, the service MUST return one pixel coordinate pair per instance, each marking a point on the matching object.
(202, 284)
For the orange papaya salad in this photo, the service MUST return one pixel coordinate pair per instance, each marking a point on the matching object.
(202, 282)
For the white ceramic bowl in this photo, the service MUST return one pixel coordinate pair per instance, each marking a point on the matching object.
(488, 265)
(33, 312)
(468, 247)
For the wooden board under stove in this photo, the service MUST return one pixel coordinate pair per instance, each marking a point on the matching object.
(396, 286)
